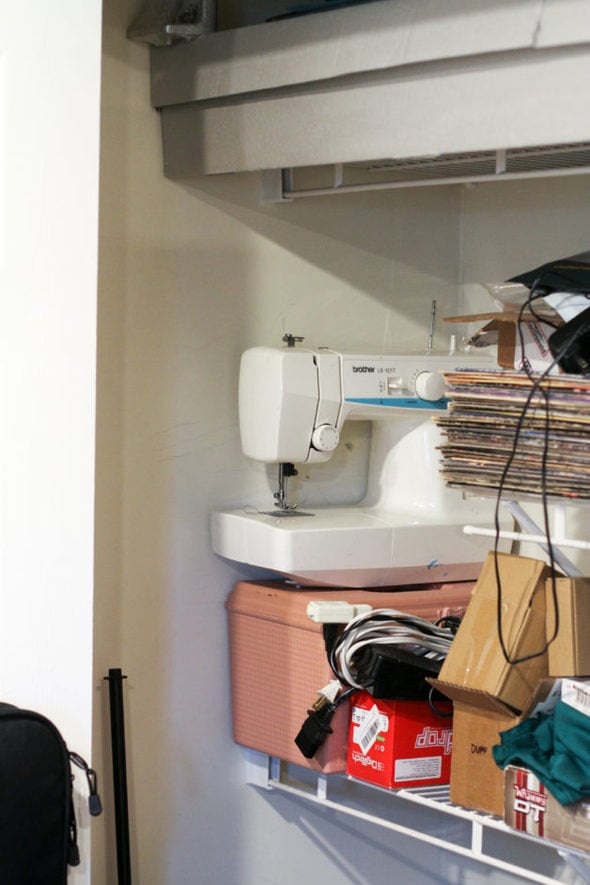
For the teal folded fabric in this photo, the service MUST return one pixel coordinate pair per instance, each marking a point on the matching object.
(555, 747)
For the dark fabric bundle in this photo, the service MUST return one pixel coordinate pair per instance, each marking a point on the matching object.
(570, 274)
(555, 747)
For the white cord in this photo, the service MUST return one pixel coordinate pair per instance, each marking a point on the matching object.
(388, 627)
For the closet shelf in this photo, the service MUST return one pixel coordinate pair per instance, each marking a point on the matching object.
(384, 94)
(480, 837)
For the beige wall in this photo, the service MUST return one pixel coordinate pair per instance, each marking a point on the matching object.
(511, 227)
(190, 275)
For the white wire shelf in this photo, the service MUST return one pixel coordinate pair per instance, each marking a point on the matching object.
(389, 809)
(530, 532)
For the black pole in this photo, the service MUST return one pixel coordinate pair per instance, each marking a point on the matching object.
(115, 679)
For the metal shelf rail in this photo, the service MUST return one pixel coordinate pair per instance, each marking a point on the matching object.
(365, 801)
(535, 535)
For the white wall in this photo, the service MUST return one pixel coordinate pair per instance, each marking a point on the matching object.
(509, 228)
(49, 138)
(512, 227)
(191, 275)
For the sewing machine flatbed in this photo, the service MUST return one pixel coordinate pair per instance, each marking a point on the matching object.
(350, 547)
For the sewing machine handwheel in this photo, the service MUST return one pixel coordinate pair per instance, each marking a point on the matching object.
(325, 438)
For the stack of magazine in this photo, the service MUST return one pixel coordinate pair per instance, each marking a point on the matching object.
(506, 430)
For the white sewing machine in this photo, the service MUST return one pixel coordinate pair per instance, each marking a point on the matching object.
(408, 529)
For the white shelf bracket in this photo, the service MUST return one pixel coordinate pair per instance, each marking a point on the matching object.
(501, 162)
(477, 838)
(257, 768)
(274, 184)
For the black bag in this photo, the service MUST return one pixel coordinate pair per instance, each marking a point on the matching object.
(38, 836)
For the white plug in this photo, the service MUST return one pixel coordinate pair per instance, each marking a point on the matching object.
(337, 612)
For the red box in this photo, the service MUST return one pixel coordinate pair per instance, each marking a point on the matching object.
(399, 743)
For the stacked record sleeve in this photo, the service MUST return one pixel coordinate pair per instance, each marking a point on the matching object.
(536, 432)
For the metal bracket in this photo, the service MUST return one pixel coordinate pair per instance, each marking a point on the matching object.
(273, 185)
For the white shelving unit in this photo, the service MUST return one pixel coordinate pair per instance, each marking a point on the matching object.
(480, 837)
(477, 836)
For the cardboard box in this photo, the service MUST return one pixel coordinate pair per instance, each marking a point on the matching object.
(489, 693)
(575, 693)
(475, 670)
(502, 327)
(476, 781)
(399, 743)
(569, 653)
(530, 808)
(278, 660)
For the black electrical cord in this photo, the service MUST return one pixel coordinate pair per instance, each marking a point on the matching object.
(444, 714)
(537, 386)
(451, 622)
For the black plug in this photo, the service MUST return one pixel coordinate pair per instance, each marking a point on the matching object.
(316, 727)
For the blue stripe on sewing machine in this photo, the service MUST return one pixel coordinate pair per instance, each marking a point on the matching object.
(400, 402)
